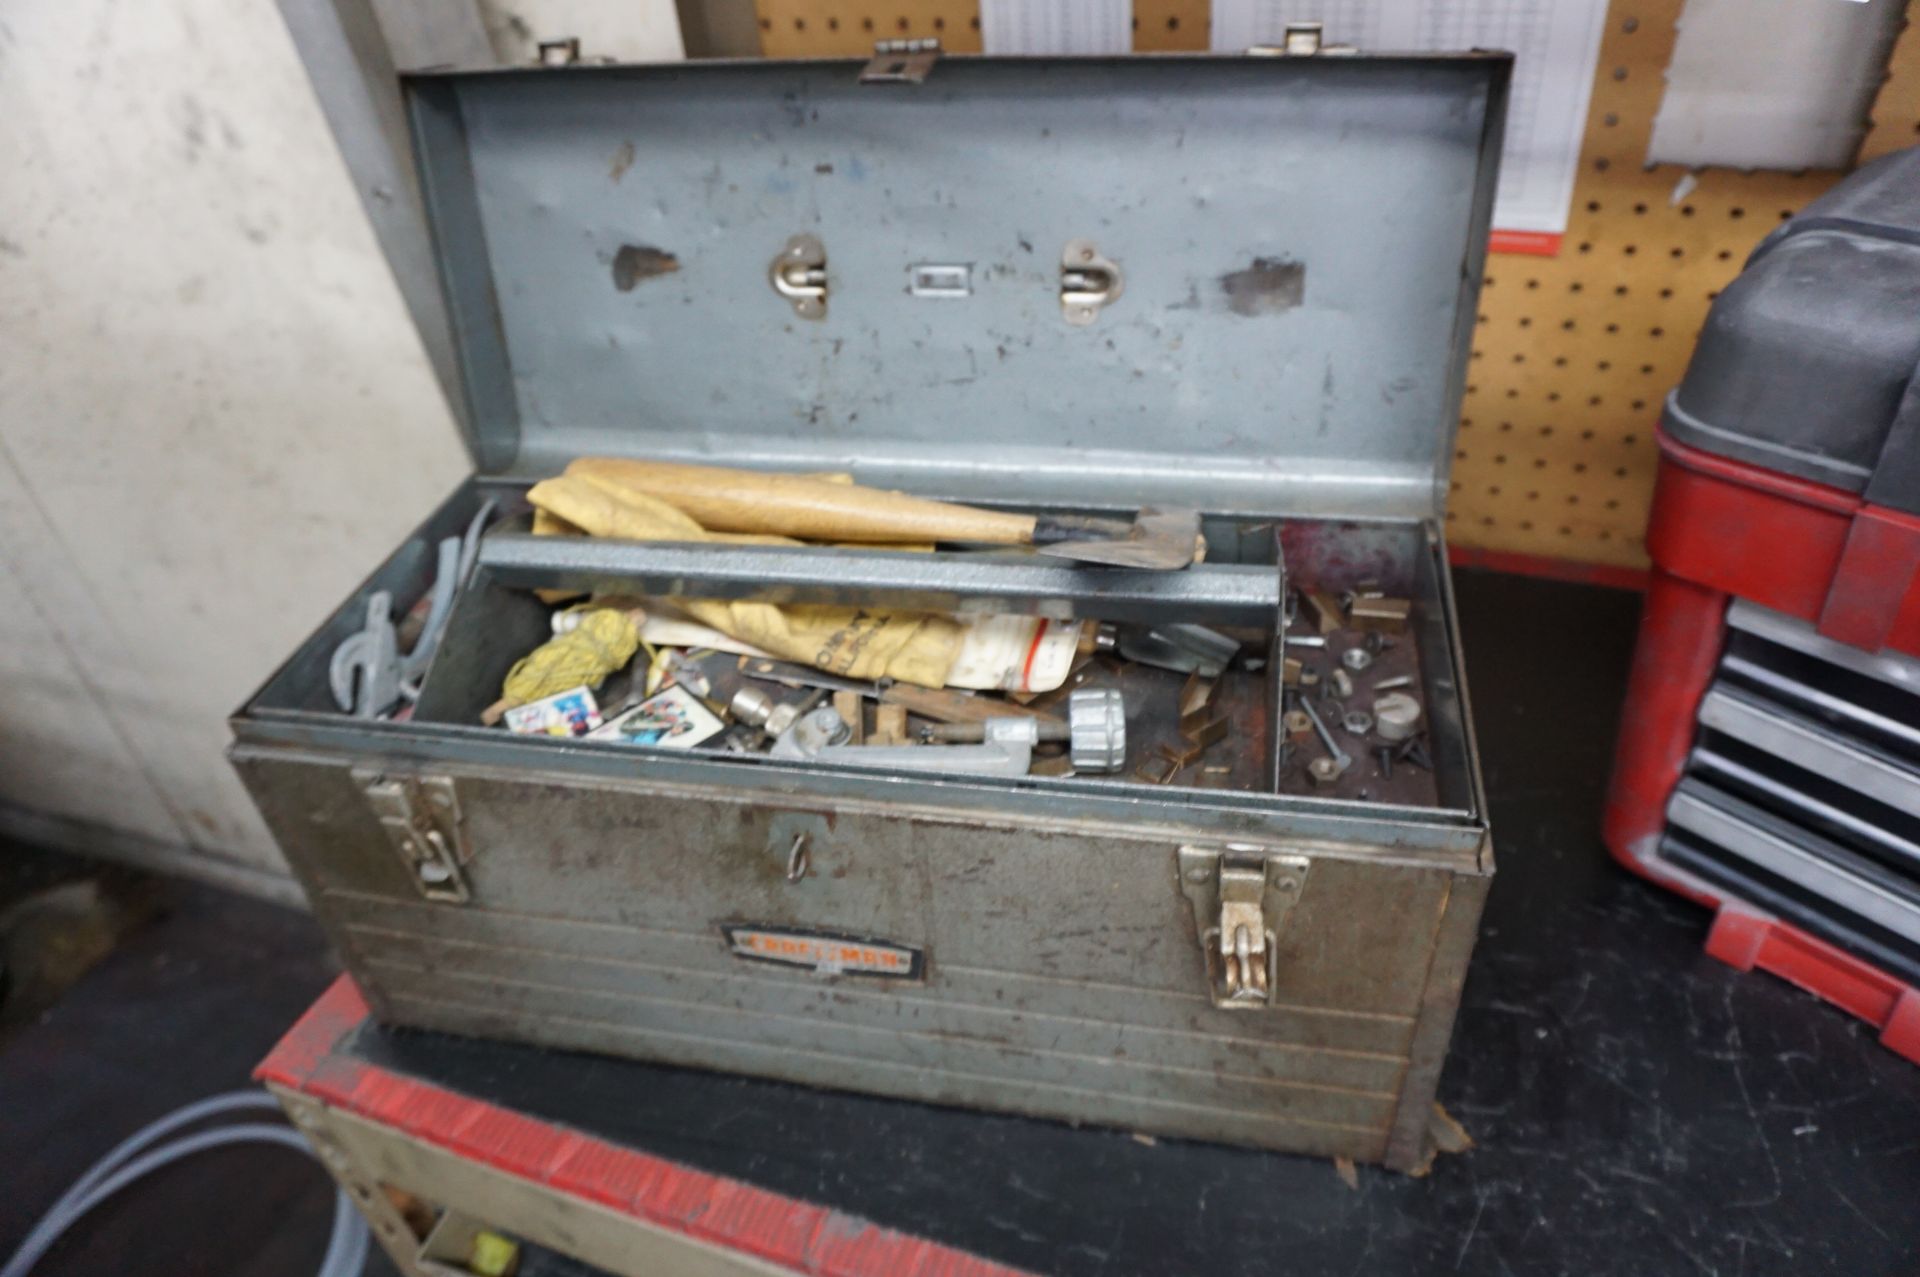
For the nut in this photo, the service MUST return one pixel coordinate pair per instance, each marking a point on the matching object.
(1324, 770)
(1309, 676)
(1358, 722)
(1097, 729)
(1356, 658)
(1296, 722)
(1342, 683)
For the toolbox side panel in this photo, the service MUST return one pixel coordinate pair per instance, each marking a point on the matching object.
(1061, 974)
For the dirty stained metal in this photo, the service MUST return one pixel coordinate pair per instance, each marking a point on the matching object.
(1271, 286)
(635, 263)
(622, 161)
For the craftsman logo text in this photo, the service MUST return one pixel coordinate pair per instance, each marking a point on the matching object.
(826, 954)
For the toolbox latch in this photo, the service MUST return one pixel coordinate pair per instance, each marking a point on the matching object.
(1241, 897)
(1302, 40)
(1088, 282)
(799, 274)
(422, 821)
(900, 61)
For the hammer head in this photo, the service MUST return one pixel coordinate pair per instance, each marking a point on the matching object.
(1158, 540)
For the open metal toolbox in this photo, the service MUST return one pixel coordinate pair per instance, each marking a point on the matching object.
(1295, 247)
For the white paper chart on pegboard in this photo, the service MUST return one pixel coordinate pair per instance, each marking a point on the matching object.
(1556, 43)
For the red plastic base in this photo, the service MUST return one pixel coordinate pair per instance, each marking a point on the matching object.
(1722, 529)
(1747, 940)
(719, 1211)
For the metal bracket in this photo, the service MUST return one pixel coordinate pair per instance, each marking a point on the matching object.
(1241, 897)
(558, 53)
(900, 61)
(1303, 40)
(421, 817)
(1088, 282)
(799, 274)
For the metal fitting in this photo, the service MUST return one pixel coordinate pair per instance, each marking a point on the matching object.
(1396, 716)
(1356, 658)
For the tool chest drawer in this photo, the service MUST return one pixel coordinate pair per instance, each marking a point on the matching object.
(920, 626)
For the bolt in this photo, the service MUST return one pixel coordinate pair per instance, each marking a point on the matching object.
(1339, 758)
(1384, 755)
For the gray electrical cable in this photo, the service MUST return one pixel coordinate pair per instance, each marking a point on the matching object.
(346, 1247)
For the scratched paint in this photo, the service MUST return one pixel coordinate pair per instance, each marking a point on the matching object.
(1270, 286)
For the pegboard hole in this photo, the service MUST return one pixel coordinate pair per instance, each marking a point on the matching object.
(1736, 213)
(1586, 434)
(1640, 209)
(1610, 120)
(1613, 328)
(1666, 293)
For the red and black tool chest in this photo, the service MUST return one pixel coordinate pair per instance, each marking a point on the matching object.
(1769, 758)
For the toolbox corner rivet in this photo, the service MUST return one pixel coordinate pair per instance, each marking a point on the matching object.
(1287, 884)
(1198, 873)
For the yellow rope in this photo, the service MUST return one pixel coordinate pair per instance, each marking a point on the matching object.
(604, 641)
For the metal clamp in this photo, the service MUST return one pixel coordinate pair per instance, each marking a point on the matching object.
(421, 818)
(900, 61)
(1241, 897)
(799, 274)
(1302, 40)
(1088, 282)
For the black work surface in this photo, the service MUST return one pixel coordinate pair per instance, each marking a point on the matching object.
(1640, 1109)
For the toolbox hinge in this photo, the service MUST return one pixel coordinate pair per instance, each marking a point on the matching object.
(1302, 40)
(1241, 897)
(421, 817)
(900, 61)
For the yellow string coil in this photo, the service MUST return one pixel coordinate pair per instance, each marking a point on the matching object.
(604, 641)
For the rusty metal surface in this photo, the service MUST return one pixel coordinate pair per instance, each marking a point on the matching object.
(595, 923)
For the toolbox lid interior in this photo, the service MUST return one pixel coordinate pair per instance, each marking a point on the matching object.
(1300, 241)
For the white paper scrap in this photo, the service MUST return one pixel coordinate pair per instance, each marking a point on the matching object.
(1056, 26)
(1555, 43)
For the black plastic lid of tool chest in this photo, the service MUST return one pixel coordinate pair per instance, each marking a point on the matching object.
(1300, 241)
(1807, 362)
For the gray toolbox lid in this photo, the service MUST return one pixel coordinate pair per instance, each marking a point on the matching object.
(1299, 241)
(1807, 361)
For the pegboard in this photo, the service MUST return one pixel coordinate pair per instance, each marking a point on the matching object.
(1573, 354)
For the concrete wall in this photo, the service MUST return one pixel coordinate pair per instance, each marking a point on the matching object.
(215, 414)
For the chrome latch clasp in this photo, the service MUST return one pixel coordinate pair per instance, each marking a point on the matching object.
(1088, 282)
(1241, 897)
(799, 274)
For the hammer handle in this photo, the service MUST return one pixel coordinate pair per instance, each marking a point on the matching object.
(727, 500)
